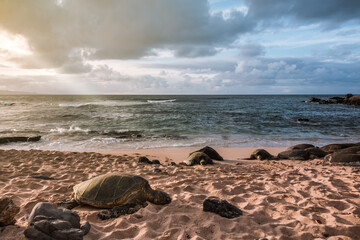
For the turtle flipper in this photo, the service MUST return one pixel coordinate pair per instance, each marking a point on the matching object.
(68, 204)
(123, 209)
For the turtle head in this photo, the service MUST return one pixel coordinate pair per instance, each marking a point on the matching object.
(159, 197)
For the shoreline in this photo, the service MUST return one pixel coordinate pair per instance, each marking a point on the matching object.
(230, 155)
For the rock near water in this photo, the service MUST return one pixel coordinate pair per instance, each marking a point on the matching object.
(4, 140)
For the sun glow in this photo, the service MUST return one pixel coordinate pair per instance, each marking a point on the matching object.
(13, 44)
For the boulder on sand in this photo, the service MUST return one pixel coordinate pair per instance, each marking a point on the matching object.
(46, 221)
(221, 207)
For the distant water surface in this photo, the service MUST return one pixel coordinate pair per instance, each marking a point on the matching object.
(89, 123)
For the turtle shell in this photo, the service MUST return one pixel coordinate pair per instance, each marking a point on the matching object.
(112, 189)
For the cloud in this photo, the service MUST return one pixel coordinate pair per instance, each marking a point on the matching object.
(113, 29)
(251, 50)
(329, 13)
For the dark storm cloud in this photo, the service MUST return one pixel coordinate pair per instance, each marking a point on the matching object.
(329, 13)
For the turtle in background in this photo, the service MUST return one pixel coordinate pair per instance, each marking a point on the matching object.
(196, 158)
(120, 193)
(261, 154)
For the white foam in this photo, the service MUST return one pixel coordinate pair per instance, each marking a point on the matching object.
(103, 103)
(7, 103)
(161, 101)
(71, 129)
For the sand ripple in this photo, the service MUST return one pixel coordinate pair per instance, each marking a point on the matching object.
(280, 200)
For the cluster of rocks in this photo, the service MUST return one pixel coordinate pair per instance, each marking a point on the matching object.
(203, 156)
(49, 222)
(145, 160)
(336, 153)
(19, 139)
(349, 99)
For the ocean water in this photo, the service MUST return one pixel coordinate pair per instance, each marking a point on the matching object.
(89, 123)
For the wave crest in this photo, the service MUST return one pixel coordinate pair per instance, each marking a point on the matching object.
(161, 101)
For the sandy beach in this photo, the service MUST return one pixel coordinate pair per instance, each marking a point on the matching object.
(279, 199)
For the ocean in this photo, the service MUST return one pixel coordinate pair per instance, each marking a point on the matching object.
(94, 123)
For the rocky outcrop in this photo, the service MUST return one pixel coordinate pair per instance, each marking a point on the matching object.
(8, 210)
(46, 221)
(348, 99)
(354, 100)
(19, 139)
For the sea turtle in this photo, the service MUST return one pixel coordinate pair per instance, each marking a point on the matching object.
(198, 158)
(261, 154)
(120, 193)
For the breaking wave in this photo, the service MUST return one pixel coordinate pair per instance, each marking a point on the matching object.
(161, 101)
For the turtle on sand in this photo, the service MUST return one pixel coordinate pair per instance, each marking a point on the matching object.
(120, 193)
(198, 158)
(261, 154)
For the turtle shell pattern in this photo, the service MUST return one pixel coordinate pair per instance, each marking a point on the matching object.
(112, 189)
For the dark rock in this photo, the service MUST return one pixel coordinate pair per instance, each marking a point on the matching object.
(157, 170)
(71, 234)
(336, 100)
(354, 100)
(300, 146)
(172, 164)
(46, 221)
(344, 158)
(221, 207)
(313, 99)
(211, 153)
(32, 233)
(347, 97)
(261, 154)
(19, 139)
(43, 177)
(144, 160)
(337, 146)
(155, 162)
(197, 158)
(324, 102)
(8, 210)
(302, 120)
(296, 154)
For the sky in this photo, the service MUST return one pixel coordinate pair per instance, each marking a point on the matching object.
(180, 46)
